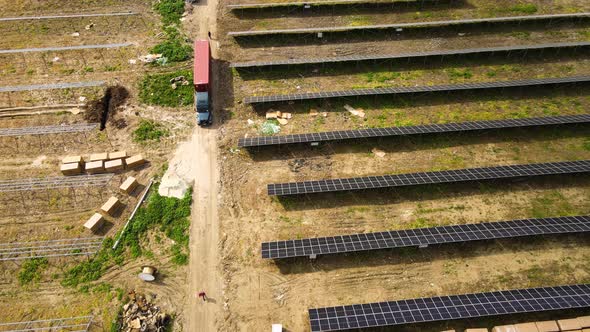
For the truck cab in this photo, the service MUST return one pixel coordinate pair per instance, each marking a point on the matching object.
(202, 107)
(201, 76)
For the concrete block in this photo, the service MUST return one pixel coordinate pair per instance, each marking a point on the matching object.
(584, 321)
(547, 326)
(569, 324)
(526, 327)
(504, 328)
(95, 222)
(72, 159)
(129, 185)
(114, 165)
(118, 155)
(111, 206)
(477, 330)
(94, 167)
(71, 169)
(135, 161)
(99, 156)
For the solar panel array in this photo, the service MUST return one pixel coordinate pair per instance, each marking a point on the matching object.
(42, 130)
(423, 236)
(48, 17)
(32, 87)
(412, 130)
(70, 324)
(440, 308)
(412, 179)
(51, 248)
(64, 48)
(469, 51)
(55, 182)
(415, 89)
(312, 3)
(409, 25)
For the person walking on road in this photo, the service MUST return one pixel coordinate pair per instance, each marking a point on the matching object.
(203, 295)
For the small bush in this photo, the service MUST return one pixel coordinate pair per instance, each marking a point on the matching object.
(174, 48)
(149, 131)
(528, 8)
(157, 89)
(31, 270)
(171, 10)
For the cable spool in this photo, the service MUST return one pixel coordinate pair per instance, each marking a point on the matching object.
(147, 273)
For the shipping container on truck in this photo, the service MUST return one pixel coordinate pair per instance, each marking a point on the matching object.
(201, 76)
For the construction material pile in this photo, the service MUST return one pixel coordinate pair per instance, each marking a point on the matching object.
(141, 315)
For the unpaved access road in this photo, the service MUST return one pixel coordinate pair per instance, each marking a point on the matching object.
(204, 235)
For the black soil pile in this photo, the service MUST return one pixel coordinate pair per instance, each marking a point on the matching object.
(105, 109)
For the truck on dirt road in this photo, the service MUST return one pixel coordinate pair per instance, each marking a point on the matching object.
(201, 76)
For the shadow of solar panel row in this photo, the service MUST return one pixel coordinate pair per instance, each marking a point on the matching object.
(416, 89)
(412, 179)
(412, 130)
(424, 236)
(409, 25)
(353, 58)
(441, 308)
(313, 3)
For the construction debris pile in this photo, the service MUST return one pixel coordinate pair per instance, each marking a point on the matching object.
(141, 315)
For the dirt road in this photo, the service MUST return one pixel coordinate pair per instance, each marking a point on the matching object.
(203, 269)
(204, 237)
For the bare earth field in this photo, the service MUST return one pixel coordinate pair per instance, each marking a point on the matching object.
(60, 214)
(259, 292)
(228, 226)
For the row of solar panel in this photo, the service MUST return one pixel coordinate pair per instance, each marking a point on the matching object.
(449, 307)
(412, 179)
(355, 58)
(416, 89)
(509, 19)
(412, 130)
(315, 3)
(423, 236)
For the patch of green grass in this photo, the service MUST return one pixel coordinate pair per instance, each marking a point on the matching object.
(93, 269)
(525, 8)
(170, 10)
(420, 223)
(170, 216)
(157, 90)
(455, 73)
(360, 21)
(551, 204)
(174, 48)
(586, 144)
(149, 130)
(111, 68)
(88, 69)
(521, 34)
(382, 77)
(31, 270)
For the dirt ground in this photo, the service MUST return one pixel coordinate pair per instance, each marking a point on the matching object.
(259, 293)
(59, 214)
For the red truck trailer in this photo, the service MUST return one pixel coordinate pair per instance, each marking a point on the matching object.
(201, 75)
